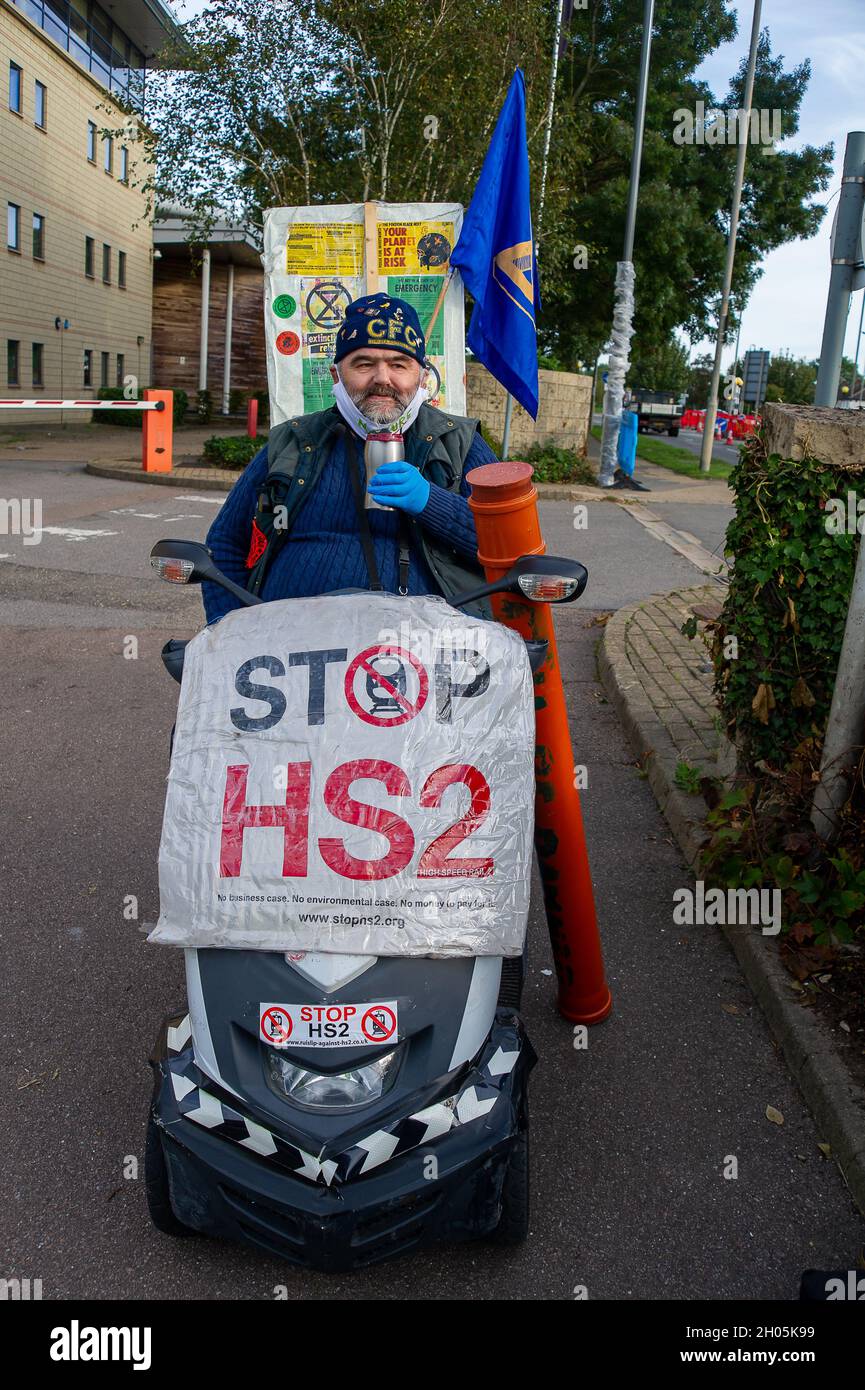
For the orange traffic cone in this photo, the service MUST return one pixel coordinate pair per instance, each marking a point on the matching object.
(504, 503)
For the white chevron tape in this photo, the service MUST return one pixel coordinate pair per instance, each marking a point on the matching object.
(379, 1148)
(179, 1036)
(260, 1139)
(181, 1086)
(502, 1062)
(209, 1112)
(469, 1107)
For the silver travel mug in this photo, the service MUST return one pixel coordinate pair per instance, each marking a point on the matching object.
(381, 447)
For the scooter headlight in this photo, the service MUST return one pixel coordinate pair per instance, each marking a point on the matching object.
(358, 1086)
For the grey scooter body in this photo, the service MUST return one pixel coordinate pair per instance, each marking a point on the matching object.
(442, 1153)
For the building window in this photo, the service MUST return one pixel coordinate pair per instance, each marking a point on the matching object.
(106, 265)
(108, 153)
(104, 380)
(121, 269)
(15, 88)
(38, 237)
(88, 367)
(13, 362)
(91, 141)
(89, 250)
(84, 30)
(37, 364)
(41, 100)
(13, 226)
(78, 26)
(124, 164)
(121, 368)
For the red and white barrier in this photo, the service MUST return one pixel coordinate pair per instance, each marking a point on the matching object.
(157, 422)
(81, 405)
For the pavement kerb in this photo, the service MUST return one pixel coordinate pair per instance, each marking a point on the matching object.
(836, 1102)
(222, 480)
(215, 480)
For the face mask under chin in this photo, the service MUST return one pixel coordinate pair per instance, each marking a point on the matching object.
(365, 420)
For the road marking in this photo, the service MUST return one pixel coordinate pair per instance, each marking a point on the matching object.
(75, 533)
(130, 511)
(214, 501)
(682, 542)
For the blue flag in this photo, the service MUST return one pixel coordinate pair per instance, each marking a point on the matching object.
(495, 256)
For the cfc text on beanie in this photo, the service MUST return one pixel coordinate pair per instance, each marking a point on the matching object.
(381, 321)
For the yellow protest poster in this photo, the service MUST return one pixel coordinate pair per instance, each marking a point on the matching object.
(317, 260)
(414, 248)
(324, 248)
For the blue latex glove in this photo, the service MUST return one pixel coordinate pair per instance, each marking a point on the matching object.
(398, 484)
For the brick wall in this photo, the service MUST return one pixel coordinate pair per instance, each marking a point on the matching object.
(563, 409)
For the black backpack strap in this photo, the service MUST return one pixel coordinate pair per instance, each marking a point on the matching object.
(404, 552)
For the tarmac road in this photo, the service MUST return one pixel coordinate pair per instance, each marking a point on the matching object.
(630, 1136)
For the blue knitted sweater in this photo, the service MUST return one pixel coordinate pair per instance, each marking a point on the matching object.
(323, 551)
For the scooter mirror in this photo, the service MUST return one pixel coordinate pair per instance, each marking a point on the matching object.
(190, 562)
(540, 578)
(182, 562)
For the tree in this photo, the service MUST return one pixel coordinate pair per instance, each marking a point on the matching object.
(699, 380)
(791, 379)
(685, 188)
(661, 368)
(285, 102)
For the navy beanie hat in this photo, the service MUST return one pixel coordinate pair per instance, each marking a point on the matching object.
(381, 321)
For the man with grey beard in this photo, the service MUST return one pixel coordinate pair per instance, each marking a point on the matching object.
(295, 523)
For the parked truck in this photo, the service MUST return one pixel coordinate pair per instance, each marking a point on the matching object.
(658, 411)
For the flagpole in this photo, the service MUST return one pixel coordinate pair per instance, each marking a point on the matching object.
(506, 436)
(551, 103)
(438, 304)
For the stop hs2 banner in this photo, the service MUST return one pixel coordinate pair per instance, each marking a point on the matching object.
(315, 264)
(351, 773)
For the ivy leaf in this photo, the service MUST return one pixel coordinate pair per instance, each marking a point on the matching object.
(763, 702)
(800, 695)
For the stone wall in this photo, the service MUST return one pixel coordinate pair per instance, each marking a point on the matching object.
(824, 432)
(563, 410)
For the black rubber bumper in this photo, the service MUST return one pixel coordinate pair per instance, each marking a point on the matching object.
(446, 1190)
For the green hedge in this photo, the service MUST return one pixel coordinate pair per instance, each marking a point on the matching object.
(786, 604)
(132, 418)
(231, 451)
(786, 608)
(555, 465)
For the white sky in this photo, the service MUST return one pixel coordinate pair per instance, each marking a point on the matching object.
(786, 308)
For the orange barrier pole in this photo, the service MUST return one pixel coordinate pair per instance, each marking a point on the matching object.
(157, 432)
(252, 417)
(504, 504)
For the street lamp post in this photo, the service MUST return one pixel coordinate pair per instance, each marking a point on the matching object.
(744, 132)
